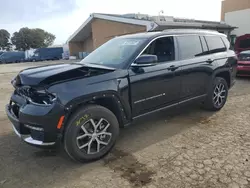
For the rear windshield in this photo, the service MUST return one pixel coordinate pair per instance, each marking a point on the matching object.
(245, 43)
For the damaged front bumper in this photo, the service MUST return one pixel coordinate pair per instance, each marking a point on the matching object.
(35, 124)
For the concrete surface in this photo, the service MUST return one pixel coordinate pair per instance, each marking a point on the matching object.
(185, 148)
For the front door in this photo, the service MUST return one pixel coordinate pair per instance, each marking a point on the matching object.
(155, 86)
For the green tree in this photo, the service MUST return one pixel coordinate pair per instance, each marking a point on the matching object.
(4, 39)
(27, 38)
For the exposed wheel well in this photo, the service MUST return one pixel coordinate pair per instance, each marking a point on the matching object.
(224, 75)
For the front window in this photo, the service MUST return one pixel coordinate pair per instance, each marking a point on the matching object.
(163, 48)
(114, 53)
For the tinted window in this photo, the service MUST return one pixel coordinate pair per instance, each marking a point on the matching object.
(215, 44)
(204, 45)
(189, 46)
(163, 48)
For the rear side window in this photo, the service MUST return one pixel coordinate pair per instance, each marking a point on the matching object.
(215, 44)
(189, 46)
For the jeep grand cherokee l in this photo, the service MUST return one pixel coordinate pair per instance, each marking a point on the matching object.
(83, 105)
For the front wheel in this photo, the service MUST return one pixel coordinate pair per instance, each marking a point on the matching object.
(91, 133)
(217, 95)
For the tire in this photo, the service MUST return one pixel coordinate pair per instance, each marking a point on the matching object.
(219, 86)
(80, 131)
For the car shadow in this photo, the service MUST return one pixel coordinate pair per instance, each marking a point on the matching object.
(161, 126)
(24, 166)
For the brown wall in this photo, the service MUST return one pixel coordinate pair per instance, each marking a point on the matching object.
(233, 5)
(74, 48)
(104, 30)
(88, 44)
(81, 46)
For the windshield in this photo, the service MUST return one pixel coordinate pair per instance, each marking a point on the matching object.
(114, 53)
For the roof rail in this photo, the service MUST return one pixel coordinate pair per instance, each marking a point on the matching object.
(190, 30)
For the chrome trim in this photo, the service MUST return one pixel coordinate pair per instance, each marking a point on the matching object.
(172, 35)
(30, 140)
(151, 42)
(169, 106)
(34, 128)
(197, 97)
(149, 98)
(142, 65)
(17, 133)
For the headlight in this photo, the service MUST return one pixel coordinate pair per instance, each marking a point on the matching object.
(37, 96)
(43, 97)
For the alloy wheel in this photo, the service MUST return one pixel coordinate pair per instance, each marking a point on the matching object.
(219, 96)
(93, 136)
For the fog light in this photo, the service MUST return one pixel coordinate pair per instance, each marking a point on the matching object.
(34, 128)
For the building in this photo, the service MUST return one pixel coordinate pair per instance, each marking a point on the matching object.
(99, 28)
(237, 13)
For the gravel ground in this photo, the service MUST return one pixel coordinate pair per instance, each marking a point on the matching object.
(187, 147)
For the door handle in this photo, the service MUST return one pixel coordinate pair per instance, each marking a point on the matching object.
(172, 68)
(210, 61)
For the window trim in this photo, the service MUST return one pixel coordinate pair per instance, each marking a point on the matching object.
(209, 50)
(154, 39)
(176, 45)
(202, 36)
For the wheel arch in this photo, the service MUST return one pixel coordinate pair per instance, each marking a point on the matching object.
(224, 73)
(108, 100)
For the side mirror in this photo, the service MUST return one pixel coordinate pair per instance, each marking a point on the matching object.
(145, 61)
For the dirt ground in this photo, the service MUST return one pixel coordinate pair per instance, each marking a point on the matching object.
(185, 148)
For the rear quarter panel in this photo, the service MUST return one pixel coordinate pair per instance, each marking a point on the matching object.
(226, 62)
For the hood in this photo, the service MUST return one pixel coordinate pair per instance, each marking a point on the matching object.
(51, 74)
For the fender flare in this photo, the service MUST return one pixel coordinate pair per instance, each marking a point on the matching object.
(123, 106)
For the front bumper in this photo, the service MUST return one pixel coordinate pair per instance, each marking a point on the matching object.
(34, 124)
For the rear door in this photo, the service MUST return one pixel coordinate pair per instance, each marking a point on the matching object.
(196, 66)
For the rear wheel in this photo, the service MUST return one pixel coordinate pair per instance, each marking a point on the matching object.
(91, 133)
(217, 95)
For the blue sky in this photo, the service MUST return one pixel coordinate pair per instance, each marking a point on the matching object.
(63, 17)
